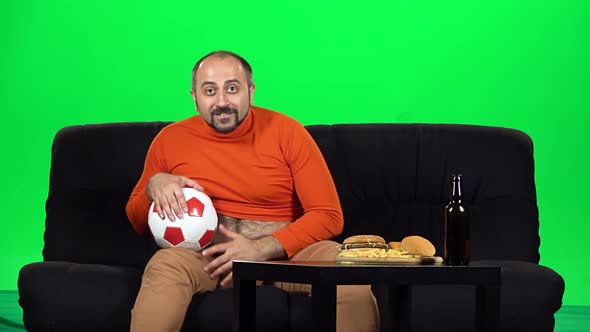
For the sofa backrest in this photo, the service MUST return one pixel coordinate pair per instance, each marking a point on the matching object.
(392, 179)
(93, 171)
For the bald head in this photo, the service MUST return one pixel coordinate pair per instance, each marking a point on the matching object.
(222, 54)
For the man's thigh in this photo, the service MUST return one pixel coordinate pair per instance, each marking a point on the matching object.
(179, 265)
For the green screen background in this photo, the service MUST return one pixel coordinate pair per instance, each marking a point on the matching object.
(519, 64)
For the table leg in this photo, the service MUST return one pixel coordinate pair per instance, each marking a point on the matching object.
(323, 306)
(401, 308)
(244, 319)
(487, 308)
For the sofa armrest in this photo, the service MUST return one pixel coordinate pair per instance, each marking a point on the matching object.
(64, 296)
(530, 296)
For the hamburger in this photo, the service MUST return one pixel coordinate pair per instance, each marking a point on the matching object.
(363, 246)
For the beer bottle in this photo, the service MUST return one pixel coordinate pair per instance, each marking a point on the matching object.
(456, 251)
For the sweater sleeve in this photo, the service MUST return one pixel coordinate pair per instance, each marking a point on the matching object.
(138, 204)
(322, 215)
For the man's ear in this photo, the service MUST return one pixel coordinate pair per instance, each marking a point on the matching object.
(251, 91)
(194, 95)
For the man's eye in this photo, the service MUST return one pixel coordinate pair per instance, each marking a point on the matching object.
(209, 91)
(232, 89)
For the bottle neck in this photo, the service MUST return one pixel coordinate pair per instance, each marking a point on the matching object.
(456, 194)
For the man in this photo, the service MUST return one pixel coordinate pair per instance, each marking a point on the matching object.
(269, 184)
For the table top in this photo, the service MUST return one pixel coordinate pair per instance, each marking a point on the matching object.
(331, 271)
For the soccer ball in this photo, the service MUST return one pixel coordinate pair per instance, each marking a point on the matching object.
(195, 231)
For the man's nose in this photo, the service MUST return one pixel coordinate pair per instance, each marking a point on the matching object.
(222, 99)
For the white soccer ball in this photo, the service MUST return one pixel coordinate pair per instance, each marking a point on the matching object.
(194, 231)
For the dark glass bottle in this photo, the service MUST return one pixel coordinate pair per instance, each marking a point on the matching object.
(456, 226)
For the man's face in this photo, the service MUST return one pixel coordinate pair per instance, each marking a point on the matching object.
(221, 94)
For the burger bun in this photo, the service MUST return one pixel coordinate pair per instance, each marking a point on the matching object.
(364, 239)
(417, 245)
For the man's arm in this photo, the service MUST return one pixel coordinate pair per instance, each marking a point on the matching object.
(269, 248)
(156, 184)
(322, 218)
(139, 203)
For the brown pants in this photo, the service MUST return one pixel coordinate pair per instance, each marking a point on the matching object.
(173, 275)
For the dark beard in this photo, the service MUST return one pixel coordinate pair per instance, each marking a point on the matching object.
(224, 110)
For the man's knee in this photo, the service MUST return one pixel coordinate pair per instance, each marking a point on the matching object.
(179, 265)
(319, 251)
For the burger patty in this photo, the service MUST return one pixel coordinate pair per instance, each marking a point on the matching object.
(372, 245)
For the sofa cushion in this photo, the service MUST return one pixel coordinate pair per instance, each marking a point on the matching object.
(213, 312)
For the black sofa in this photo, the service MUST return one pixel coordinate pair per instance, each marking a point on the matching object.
(392, 179)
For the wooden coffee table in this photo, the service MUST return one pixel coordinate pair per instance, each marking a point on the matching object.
(324, 276)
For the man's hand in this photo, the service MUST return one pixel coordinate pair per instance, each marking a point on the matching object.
(165, 190)
(239, 247)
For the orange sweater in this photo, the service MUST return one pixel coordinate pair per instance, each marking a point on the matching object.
(268, 168)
